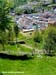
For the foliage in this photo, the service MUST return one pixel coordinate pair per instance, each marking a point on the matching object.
(4, 9)
(4, 21)
(10, 34)
(27, 9)
(16, 30)
(19, 11)
(38, 37)
(16, 3)
(3, 39)
(50, 40)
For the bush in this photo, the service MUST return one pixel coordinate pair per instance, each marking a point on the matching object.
(38, 37)
(25, 10)
(50, 40)
(19, 11)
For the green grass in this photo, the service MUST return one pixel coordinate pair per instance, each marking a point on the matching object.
(18, 48)
(11, 47)
(21, 37)
(44, 65)
(14, 49)
(30, 42)
(37, 66)
(25, 49)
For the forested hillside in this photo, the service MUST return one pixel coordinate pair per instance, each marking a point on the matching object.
(14, 3)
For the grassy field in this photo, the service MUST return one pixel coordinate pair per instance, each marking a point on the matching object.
(37, 66)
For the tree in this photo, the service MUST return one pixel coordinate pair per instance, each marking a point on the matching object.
(9, 33)
(4, 20)
(3, 39)
(16, 30)
(50, 40)
(53, 1)
(4, 9)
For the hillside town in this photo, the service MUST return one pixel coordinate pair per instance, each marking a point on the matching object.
(27, 37)
(42, 20)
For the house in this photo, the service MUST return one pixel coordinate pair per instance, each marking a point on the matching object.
(28, 30)
(25, 22)
(40, 21)
(50, 17)
(52, 21)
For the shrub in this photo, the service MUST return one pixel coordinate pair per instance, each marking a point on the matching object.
(19, 11)
(50, 40)
(38, 37)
